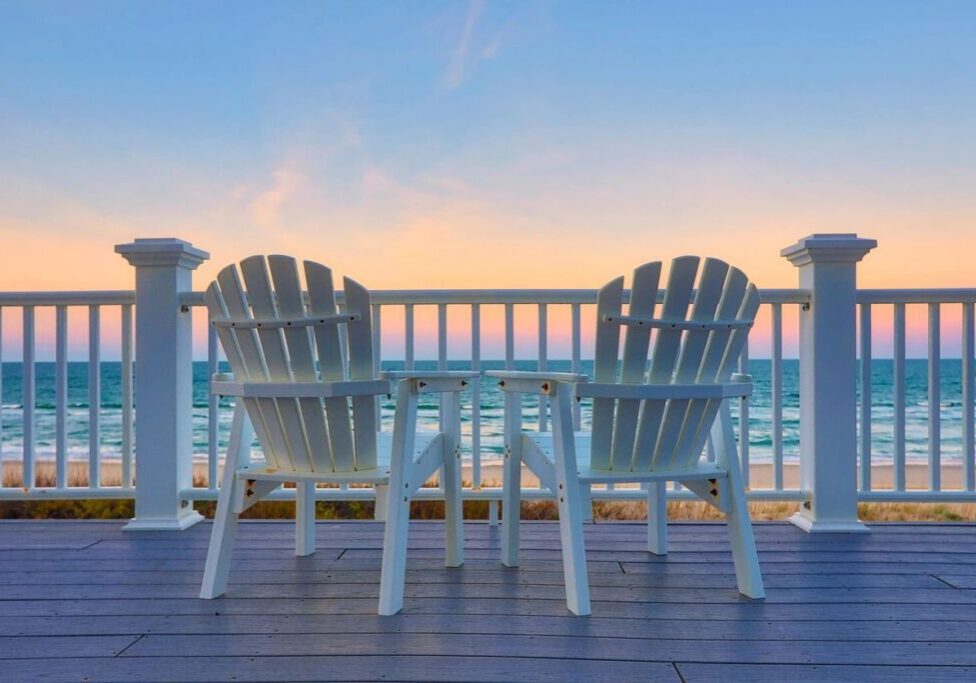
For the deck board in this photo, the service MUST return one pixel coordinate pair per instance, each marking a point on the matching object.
(86, 599)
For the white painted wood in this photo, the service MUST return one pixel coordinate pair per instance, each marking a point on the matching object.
(128, 412)
(212, 410)
(163, 392)
(607, 346)
(94, 397)
(898, 393)
(866, 353)
(968, 398)
(394, 563)
(217, 568)
(476, 397)
(451, 480)
(304, 518)
(29, 399)
(304, 411)
(744, 555)
(321, 300)
(744, 447)
(442, 336)
(681, 279)
(542, 363)
(643, 297)
(569, 504)
(509, 337)
(935, 399)
(408, 336)
(576, 341)
(681, 396)
(61, 396)
(512, 479)
(361, 366)
(828, 363)
(776, 368)
(657, 518)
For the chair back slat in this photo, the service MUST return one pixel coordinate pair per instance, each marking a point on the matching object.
(332, 364)
(263, 412)
(691, 341)
(633, 367)
(676, 414)
(361, 366)
(288, 290)
(733, 344)
(607, 347)
(261, 297)
(667, 343)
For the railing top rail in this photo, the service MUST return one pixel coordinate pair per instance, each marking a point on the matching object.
(916, 296)
(76, 298)
(513, 296)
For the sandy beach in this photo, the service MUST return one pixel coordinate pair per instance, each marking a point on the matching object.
(761, 475)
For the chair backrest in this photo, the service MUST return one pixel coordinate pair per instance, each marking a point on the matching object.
(270, 334)
(698, 335)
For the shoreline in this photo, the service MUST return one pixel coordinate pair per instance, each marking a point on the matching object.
(760, 475)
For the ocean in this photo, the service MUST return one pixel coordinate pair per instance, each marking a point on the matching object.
(760, 433)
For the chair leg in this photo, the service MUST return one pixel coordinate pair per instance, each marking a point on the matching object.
(744, 556)
(382, 492)
(451, 481)
(305, 518)
(569, 497)
(394, 567)
(586, 491)
(657, 518)
(217, 569)
(512, 479)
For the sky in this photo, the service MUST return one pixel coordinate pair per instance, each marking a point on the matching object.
(488, 144)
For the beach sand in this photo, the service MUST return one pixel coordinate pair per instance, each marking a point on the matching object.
(761, 475)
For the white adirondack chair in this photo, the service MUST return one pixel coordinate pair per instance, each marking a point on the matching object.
(309, 389)
(650, 424)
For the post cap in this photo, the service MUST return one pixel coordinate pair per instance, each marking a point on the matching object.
(845, 247)
(162, 251)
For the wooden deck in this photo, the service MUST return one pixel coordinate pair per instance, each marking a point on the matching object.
(84, 601)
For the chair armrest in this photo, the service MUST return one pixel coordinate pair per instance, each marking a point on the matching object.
(433, 381)
(664, 391)
(534, 382)
(357, 387)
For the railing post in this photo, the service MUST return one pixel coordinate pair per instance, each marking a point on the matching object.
(163, 382)
(828, 389)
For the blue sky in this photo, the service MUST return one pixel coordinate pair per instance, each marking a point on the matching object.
(455, 144)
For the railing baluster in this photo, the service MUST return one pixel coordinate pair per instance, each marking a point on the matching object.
(776, 368)
(1, 388)
(213, 418)
(127, 403)
(968, 450)
(509, 336)
(476, 396)
(94, 397)
(744, 419)
(377, 351)
(28, 398)
(61, 397)
(408, 337)
(543, 363)
(442, 336)
(898, 381)
(865, 455)
(576, 342)
(935, 400)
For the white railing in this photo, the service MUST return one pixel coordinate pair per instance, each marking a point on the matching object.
(493, 322)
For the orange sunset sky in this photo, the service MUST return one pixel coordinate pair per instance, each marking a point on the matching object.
(456, 145)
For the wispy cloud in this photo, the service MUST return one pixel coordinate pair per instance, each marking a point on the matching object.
(265, 208)
(456, 70)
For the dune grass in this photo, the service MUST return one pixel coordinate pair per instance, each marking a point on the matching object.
(531, 510)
